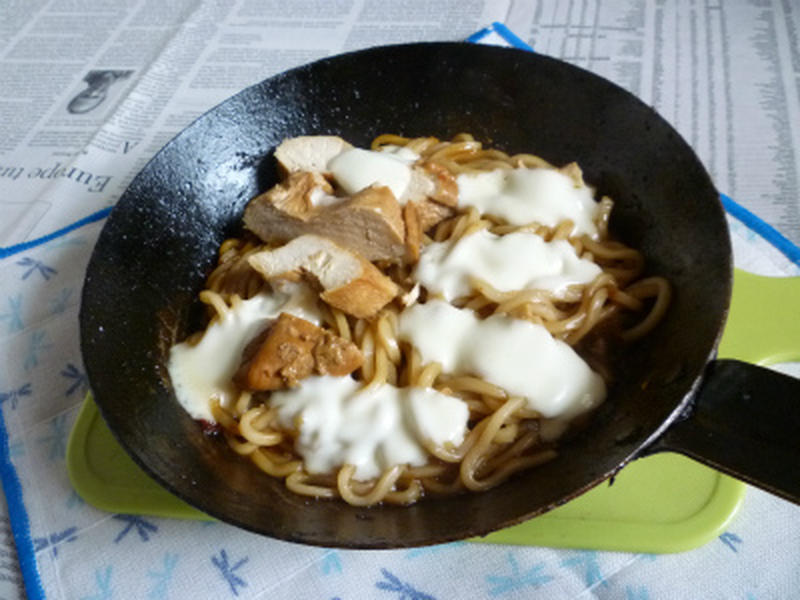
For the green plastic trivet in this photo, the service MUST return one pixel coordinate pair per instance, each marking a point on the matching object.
(662, 503)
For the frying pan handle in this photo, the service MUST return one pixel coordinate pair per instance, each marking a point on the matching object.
(745, 422)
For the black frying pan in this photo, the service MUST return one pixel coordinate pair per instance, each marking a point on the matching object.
(161, 241)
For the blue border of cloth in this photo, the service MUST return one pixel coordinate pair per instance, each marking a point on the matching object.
(762, 228)
(7, 251)
(504, 32)
(18, 516)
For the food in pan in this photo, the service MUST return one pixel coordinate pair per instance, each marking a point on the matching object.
(424, 317)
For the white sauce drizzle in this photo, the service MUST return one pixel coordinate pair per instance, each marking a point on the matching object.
(519, 356)
(515, 261)
(202, 371)
(320, 197)
(338, 421)
(522, 196)
(374, 428)
(401, 153)
(356, 169)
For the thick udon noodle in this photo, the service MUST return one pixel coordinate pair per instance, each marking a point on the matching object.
(503, 435)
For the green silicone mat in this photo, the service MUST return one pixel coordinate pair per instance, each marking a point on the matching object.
(662, 503)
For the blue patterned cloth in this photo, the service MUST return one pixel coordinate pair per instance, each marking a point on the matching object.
(70, 550)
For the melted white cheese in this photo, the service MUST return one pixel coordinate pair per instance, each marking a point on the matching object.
(515, 261)
(372, 429)
(517, 355)
(320, 197)
(401, 153)
(202, 371)
(356, 169)
(521, 196)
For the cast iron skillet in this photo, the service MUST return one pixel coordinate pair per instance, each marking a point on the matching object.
(161, 240)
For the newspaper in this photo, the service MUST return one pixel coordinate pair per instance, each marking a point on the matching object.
(90, 90)
(725, 75)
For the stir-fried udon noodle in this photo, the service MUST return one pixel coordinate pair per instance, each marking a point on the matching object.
(503, 434)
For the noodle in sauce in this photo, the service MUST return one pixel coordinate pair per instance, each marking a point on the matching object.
(504, 435)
